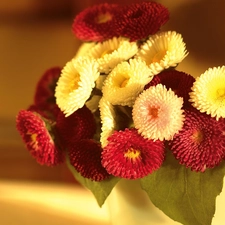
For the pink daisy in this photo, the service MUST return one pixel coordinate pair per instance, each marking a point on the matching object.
(38, 135)
(201, 142)
(139, 20)
(96, 23)
(129, 155)
(44, 98)
(178, 81)
(85, 157)
(79, 125)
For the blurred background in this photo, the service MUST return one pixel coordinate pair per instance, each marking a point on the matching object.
(36, 35)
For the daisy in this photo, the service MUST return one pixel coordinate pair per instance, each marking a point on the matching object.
(111, 52)
(125, 82)
(129, 155)
(208, 92)
(178, 81)
(96, 23)
(157, 113)
(75, 84)
(39, 135)
(79, 125)
(201, 142)
(163, 50)
(85, 157)
(139, 20)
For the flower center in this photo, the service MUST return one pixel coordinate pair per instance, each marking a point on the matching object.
(153, 112)
(221, 93)
(197, 136)
(132, 153)
(106, 52)
(33, 140)
(103, 18)
(74, 84)
(124, 83)
(158, 56)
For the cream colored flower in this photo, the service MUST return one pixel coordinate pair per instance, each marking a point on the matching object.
(163, 50)
(157, 113)
(126, 82)
(84, 48)
(111, 52)
(75, 84)
(108, 120)
(208, 92)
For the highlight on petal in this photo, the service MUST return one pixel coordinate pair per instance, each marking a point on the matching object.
(79, 125)
(126, 82)
(139, 20)
(163, 50)
(208, 92)
(111, 52)
(178, 81)
(75, 84)
(129, 155)
(96, 23)
(85, 157)
(157, 113)
(201, 142)
(39, 136)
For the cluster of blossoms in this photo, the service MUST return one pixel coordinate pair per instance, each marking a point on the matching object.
(120, 103)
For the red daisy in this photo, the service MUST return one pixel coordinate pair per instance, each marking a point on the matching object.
(178, 81)
(129, 155)
(96, 23)
(139, 20)
(85, 157)
(201, 142)
(79, 125)
(44, 98)
(39, 136)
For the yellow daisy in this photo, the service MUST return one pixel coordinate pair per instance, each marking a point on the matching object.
(208, 92)
(111, 52)
(126, 82)
(75, 84)
(163, 50)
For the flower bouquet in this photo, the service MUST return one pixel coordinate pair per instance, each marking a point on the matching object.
(121, 110)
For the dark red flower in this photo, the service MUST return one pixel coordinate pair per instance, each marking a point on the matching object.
(44, 98)
(178, 81)
(129, 155)
(96, 23)
(80, 125)
(39, 137)
(85, 157)
(139, 20)
(201, 142)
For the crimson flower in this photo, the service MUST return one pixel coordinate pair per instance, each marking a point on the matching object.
(39, 135)
(129, 155)
(201, 142)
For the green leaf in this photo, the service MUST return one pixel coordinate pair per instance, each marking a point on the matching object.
(184, 195)
(101, 190)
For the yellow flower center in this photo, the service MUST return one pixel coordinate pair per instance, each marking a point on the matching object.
(73, 85)
(106, 52)
(124, 83)
(132, 153)
(159, 56)
(221, 93)
(197, 136)
(153, 112)
(103, 18)
(33, 140)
